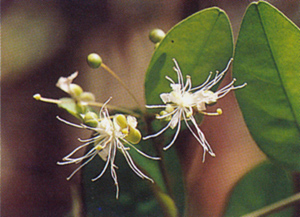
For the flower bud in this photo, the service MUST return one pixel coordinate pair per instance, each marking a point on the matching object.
(91, 119)
(156, 35)
(121, 121)
(94, 60)
(134, 136)
(87, 97)
(76, 89)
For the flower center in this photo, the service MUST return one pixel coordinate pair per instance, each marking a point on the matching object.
(182, 100)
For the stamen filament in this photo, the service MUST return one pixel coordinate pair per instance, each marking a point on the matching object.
(175, 136)
(82, 165)
(105, 166)
(158, 133)
(43, 99)
(218, 112)
(140, 152)
(170, 79)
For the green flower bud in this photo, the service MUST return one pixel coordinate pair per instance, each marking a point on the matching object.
(156, 35)
(91, 119)
(94, 60)
(134, 136)
(87, 97)
(76, 89)
(121, 121)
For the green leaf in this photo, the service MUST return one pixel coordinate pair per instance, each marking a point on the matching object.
(267, 57)
(262, 186)
(70, 106)
(201, 43)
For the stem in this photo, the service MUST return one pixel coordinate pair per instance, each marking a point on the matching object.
(98, 104)
(158, 144)
(122, 83)
(275, 206)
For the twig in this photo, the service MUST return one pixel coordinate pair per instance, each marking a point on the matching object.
(294, 199)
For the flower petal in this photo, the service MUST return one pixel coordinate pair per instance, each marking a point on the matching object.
(64, 82)
(165, 97)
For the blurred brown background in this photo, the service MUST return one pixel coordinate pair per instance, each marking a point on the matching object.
(43, 40)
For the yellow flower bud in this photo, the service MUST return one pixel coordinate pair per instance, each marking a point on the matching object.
(76, 89)
(121, 121)
(134, 136)
(91, 119)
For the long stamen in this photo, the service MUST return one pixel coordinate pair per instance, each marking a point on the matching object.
(218, 77)
(48, 100)
(175, 136)
(170, 79)
(69, 123)
(156, 106)
(166, 115)
(218, 112)
(198, 138)
(97, 137)
(106, 165)
(179, 74)
(112, 168)
(82, 165)
(140, 152)
(75, 150)
(133, 166)
(204, 83)
(202, 137)
(188, 84)
(158, 133)
(77, 160)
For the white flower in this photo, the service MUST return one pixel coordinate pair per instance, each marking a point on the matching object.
(112, 133)
(74, 90)
(183, 101)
